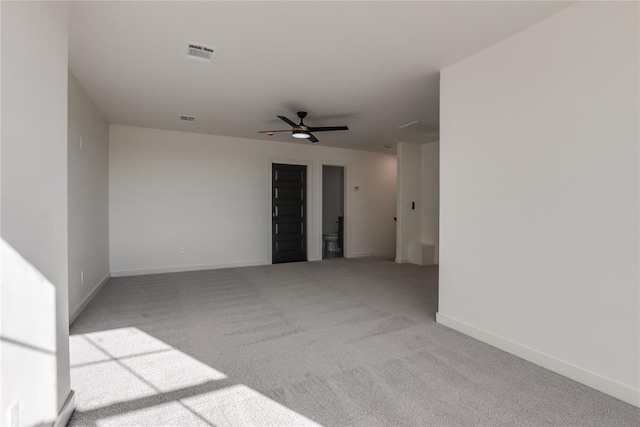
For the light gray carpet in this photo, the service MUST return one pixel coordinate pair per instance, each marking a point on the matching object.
(342, 342)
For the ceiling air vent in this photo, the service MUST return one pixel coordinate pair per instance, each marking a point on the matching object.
(200, 52)
(188, 118)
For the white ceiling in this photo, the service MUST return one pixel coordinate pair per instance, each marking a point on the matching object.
(370, 65)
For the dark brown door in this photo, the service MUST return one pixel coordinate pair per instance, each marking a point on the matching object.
(289, 229)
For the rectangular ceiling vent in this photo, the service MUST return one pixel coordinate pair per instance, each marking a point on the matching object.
(203, 53)
(188, 118)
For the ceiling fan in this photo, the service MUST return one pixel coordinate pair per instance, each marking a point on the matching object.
(303, 131)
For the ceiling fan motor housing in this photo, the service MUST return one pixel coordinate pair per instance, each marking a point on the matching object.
(301, 131)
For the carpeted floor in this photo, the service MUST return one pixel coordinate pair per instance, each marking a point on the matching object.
(341, 342)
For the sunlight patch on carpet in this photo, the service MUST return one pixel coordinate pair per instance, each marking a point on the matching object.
(126, 377)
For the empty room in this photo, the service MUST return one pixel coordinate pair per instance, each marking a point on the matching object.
(319, 213)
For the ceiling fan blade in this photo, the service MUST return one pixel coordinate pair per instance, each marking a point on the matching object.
(312, 138)
(274, 131)
(287, 121)
(327, 128)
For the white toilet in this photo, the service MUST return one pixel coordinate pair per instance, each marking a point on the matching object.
(331, 242)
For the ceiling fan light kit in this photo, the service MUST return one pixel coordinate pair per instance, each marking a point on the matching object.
(300, 134)
(302, 131)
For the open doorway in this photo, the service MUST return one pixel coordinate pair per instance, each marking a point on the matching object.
(332, 211)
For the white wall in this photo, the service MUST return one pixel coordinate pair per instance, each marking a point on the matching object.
(430, 195)
(539, 196)
(212, 194)
(418, 181)
(409, 191)
(332, 198)
(88, 198)
(34, 327)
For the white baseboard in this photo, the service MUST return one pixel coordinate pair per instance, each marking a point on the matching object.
(141, 272)
(402, 260)
(358, 255)
(67, 410)
(591, 379)
(83, 304)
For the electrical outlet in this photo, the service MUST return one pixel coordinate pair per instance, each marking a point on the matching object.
(182, 250)
(81, 276)
(14, 414)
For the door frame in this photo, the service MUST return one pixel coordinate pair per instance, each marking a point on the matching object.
(346, 178)
(309, 203)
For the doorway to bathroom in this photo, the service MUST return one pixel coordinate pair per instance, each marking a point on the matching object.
(332, 211)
